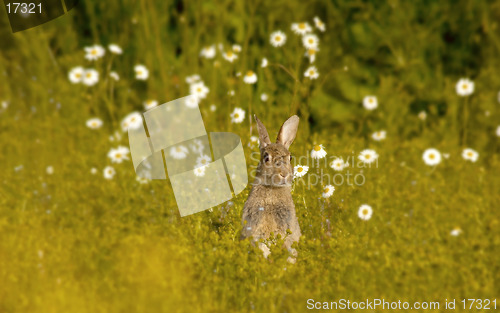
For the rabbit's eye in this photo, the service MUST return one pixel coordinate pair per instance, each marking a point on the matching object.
(266, 158)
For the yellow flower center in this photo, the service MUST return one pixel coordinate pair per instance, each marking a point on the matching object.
(464, 86)
(203, 161)
(365, 212)
(249, 73)
(370, 100)
(311, 72)
(88, 75)
(311, 51)
(367, 156)
(229, 54)
(277, 38)
(311, 41)
(470, 154)
(236, 115)
(302, 26)
(326, 190)
(300, 169)
(78, 75)
(431, 156)
(178, 149)
(139, 72)
(94, 124)
(132, 119)
(198, 89)
(317, 148)
(93, 52)
(118, 155)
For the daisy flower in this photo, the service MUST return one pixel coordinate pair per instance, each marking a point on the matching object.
(278, 38)
(93, 171)
(238, 116)
(370, 102)
(75, 75)
(119, 154)
(379, 135)
(338, 164)
(115, 49)
(464, 87)
(250, 78)
(132, 121)
(319, 24)
(310, 41)
(213, 107)
(114, 75)
(208, 52)
(200, 171)
(191, 102)
(203, 160)
(456, 231)
(318, 152)
(236, 48)
(94, 52)
(311, 72)
(328, 191)
(422, 115)
(193, 79)
(264, 62)
(199, 90)
(311, 54)
(470, 155)
(301, 28)
(365, 212)
(149, 104)
(141, 72)
(94, 123)
(109, 172)
(179, 152)
(230, 56)
(431, 157)
(300, 170)
(49, 170)
(498, 131)
(90, 77)
(368, 156)
(264, 97)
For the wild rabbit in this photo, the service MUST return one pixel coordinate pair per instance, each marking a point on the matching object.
(269, 207)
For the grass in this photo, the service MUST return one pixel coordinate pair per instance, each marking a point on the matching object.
(75, 242)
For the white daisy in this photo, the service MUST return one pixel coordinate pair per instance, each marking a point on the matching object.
(132, 121)
(318, 152)
(264, 62)
(278, 38)
(498, 131)
(90, 77)
(192, 102)
(149, 104)
(236, 48)
(431, 157)
(464, 87)
(422, 115)
(114, 48)
(94, 123)
(203, 160)
(49, 170)
(109, 172)
(114, 75)
(301, 28)
(250, 78)
(141, 72)
(200, 171)
(365, 212)
(213, 107)
(238, 116)
(193, 79)
(311, 54)
(300, 170)
(328, 191)
(338, 164)
(310, 41)
(370, 102)
(93, 171)
(379, 135)
(179, 152)
(208, 52)
(368, 156)
(470, 155)
(75, 75)
(230, 56)
(119, 154)
(264, 97)
(319, 24)
(199, 90)
(457, 231)
(311, 72)
(94, 52)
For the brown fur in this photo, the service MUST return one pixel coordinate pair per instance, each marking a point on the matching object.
(269, 207)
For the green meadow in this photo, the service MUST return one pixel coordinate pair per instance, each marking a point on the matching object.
(74, 238)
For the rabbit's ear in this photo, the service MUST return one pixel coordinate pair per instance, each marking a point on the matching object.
(288, 131)
(263, 135)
